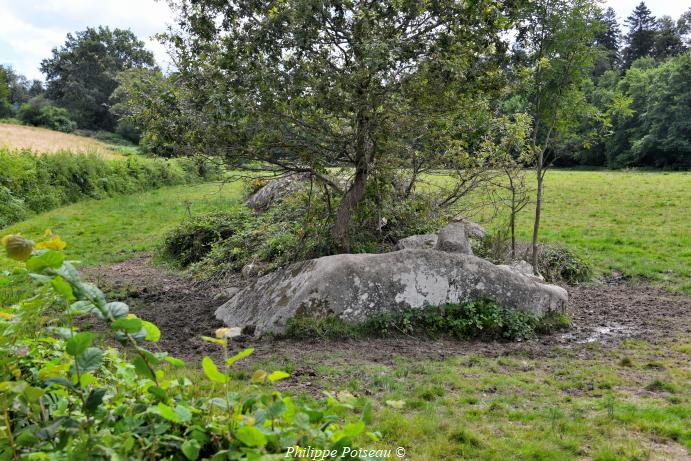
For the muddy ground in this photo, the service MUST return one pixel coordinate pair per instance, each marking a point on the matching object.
(605, 313)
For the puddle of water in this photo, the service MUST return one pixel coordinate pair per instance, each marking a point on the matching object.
(599, 333)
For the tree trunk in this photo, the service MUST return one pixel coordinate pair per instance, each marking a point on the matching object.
(538, 208)
(513, 217)
(356, 192)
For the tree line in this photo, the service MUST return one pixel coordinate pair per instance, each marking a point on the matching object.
(80, 77)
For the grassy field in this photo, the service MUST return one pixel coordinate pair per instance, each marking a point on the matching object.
(47, 141)
(633, 222)
(113, 229)
(638, 223)
(630, 402)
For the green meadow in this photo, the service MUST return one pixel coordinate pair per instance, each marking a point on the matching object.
(637, 223)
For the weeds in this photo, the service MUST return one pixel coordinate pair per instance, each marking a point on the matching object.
(476, 319)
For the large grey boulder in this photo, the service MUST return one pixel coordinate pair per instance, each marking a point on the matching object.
(453, 239)
(355, 286)
(276, 189)
(418, 242)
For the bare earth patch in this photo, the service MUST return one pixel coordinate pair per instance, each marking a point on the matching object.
(184, 311)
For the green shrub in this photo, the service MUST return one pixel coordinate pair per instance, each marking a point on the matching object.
(556, 263)
(32, 183)
(560, 264)
(55, 118)
(192, 240)
(40, 111)
(295, 228)
(476, 319)
(66, 393)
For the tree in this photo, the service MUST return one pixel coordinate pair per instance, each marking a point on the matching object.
(305, 85)
(5, 108)
(19, 88)
(608, 37)
(668, 39)
(80, 75)
(659, 133)
(556, 38)
(641, 36)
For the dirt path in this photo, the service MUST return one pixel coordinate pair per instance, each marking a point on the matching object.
(184, 311)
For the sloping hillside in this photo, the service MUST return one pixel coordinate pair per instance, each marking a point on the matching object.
(42, 140)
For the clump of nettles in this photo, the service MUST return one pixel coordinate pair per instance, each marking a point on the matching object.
(482, 319)
(295, 228)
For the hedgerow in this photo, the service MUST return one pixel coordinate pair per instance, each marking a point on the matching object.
(66, 394)
(36, 183)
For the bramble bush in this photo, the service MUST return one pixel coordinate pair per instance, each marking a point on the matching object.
(66, 394)
(36, 183)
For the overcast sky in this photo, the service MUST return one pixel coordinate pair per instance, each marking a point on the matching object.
(30, 29)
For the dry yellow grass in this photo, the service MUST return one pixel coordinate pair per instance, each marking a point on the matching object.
(44, 141)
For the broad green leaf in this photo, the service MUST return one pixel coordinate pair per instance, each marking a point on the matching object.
(90, 359)
(117, 309)
(141, 368)
(82, 307)
(367, 413)
(167, 412)
(259, 376)
(251, 436)
(276, 409)
(158, 392)
(78, 343)
(177, 363)
(62, 332)
(49, 259)
(183, 413)
(62, 288)
(86, 380)
(277, 375)
(190, 448)
(219, 402)
(239, 356)
(93, 400)
(127, 325)
(152, 331)
(32, 394)
(353, 429)
(26, 439)
(211, 371)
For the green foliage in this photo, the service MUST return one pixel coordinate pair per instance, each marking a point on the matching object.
(555, 262)
(39, 111)
(192, 240)
(80, 75)
(32, 183)
(559, 264)
(476, 319)
(295, 228)
(66, 394)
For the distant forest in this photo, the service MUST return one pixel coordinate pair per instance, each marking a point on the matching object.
(635, 107)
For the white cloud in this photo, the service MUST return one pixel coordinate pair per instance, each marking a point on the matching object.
(32, 28)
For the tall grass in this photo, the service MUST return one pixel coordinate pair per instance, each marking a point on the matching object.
(45, 141)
